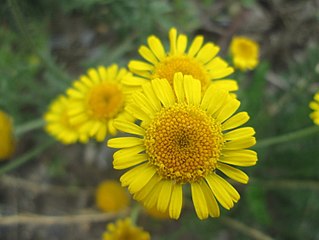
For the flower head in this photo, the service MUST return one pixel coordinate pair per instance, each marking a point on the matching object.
(7, 141)
(124, 229)
(314, 105)
(58, 122)
(97, 99)
(199, 60)
(110, 196)
(245, 53)
(184, 137)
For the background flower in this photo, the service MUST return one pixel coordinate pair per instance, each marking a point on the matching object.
(110, 196)
(245, 53)
(7, 141)
(200, 61)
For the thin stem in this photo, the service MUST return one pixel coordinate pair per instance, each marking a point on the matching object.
(33, 219)
(29, 126)
(247, 230)
(288, 137)
(13, 164)
(134, 213)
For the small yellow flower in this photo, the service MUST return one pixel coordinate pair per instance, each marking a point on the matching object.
(110, 196)
(183, 137)
(7, 141)
(245, 53)
(314, 105)
(58, 122)
(97, 99)
(125, 230)
(199, 60)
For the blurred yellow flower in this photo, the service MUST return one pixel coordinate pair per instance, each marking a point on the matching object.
(110, 196)
(199, 60)
(7, 141)
(58, 122)
(125, 230)
(154, 213)
(96, 99)
(184, 137)
(314, 105)
(245, 53)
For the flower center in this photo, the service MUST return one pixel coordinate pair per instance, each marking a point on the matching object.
(245, 50)
(184, 64)
(105, 100)
(184, 143)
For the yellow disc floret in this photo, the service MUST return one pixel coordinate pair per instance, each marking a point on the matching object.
(184, 64)
(105, 101)
(184, 143)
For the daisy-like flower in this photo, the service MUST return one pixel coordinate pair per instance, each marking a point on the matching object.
(58, 122)
(245, 53)
(7, 141)
(110, 196)
(314, 105)
(124, 229)
(199, 60)
(184, 137)
(97, 99)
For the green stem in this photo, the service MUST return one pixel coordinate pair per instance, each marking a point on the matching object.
(134, 213)
(288, 137)
(34, 124)
(25, 158)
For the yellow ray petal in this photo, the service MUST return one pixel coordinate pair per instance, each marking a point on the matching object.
(137, 112)
(141, 100)
(164, 196)
(212, 205)
(157, 48)
(125, 153)
(196, 45)
(181, 43)
(124, 142)
(147, 189)
(127, 178)
(233, 173)
(151, 96)
(228, 110)
(213, 99)
(147, 54)
(164, 91)
(172, 39)
(229, 188)
(240, 143)
(239, 133)
(140, 180)
(220, 193)
(243, 158)
(207, 53)
(140, 66)
(192, 88)
(129, 127)
(199, 201)
(120, 163)
(235, 121)
(178, 87)
(227, 84)
(176, 203)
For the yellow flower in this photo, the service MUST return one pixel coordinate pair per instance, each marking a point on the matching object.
(58, 122)
(7, 141)
(125, 230)
(245, 53)
(97, 99)
(184, 137)
(200, 61)
(110, 196)
(314, 105)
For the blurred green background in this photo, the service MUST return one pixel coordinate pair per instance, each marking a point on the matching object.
(46, 44)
